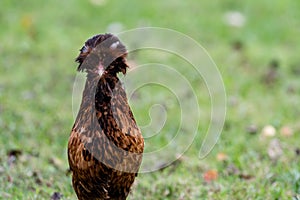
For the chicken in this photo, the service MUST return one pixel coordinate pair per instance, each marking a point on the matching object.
(105, 146)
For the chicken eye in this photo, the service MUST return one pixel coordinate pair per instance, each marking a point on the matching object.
(84, 49)
(114, 45)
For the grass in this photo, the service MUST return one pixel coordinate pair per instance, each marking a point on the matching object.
(39, 42)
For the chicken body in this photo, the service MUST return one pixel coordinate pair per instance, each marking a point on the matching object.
(105, 146)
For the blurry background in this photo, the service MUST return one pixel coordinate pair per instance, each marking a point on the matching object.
(255, 44)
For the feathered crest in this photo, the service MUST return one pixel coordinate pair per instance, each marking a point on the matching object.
(106, 49)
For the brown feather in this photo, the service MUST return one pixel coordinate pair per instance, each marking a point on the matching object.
(105, 146)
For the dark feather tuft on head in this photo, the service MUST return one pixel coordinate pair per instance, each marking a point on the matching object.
(106, 49)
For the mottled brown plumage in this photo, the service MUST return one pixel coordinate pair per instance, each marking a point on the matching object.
(105, 146)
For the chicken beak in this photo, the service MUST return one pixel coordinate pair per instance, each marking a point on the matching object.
(100, 69)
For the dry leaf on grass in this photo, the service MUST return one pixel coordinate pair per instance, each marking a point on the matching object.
(222, 156)
(13, 155)
(286, 131)
(252, 129)
(268, 131)
(56, 196)
(210, 175)
(235, 19)
(275, 150)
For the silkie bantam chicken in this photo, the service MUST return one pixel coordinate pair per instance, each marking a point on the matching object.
(105, 146)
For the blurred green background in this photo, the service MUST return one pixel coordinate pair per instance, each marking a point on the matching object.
(255, 45)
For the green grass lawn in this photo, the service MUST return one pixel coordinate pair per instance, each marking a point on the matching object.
(258, 60)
